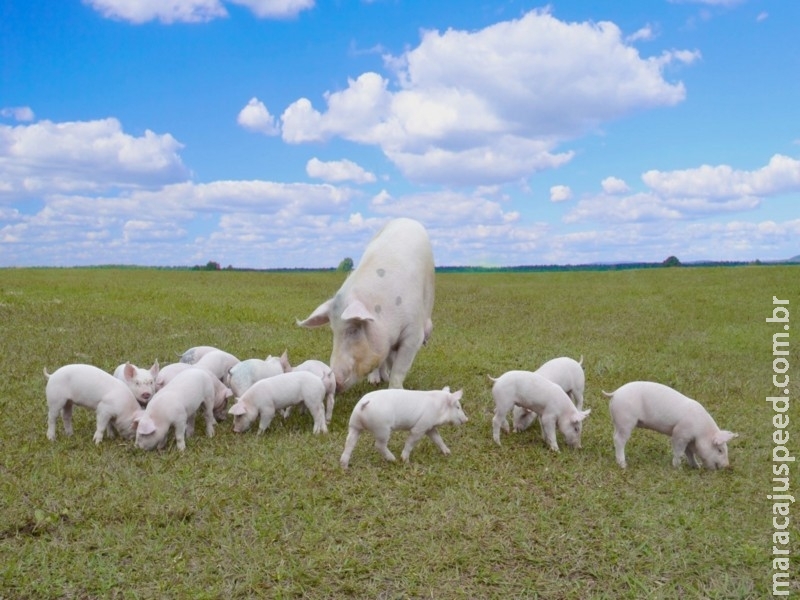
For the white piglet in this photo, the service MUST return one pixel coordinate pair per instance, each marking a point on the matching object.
(141, 381)
(93, 388)
(533, 392)
(419, 412)
(567, 373)
(660, 408)
(218, 362)
(267, 396)
(168, 373)
(325, 373)
(176, 406)
(192, 355)
(245, 373)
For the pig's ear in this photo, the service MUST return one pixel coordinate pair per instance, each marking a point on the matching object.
(356, 311)
(154, 369)
(146, 426)
(129, 372)
(582, 414)
(237, 409)
(228, 392)
(457, 395)
(319, 317)
(285, 362)
(723, 437)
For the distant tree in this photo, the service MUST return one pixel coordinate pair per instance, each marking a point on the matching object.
(672, 261)
(346, 265)
(211, 266)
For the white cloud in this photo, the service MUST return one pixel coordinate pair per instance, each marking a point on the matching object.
(614, 185)
(192, 11)
(279, 9)
(18, 113)
(560, 193)
(337, 171)
(646, 34)
(781, 174)
(47, 157)
(165, 11)
(492, 105)
(690, 193)
(255, 117)
(762, 16)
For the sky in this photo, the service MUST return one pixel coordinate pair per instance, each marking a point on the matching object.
(285, 133)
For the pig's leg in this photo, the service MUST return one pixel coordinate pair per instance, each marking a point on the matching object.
(350, 443)
(577, 397)
(414, 436)
(329, 402)
(679, 446)
(267, 414)
(180, 433)
(403, 358)
(66, 417)
(103, 423)
(381, 442)
(501, 408)
(690, 455)
(317, 411)
(620, 439)
(190, 419)
(210, 419)
(548, 425)
(52, 417)
(437, 439)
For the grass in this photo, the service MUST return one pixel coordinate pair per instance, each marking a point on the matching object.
(241, 516)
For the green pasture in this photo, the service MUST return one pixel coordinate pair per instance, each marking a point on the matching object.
(243, 516)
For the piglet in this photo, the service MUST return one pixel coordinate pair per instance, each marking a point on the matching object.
(267, 396)
(419, 412)
(176, 405)
(533, 392)
(245, 373)
(660, 408)
(141, 381)
(168, 373)
(218, 362)
(192, 355)
(565, 372)
(325, 373)
(90, 387)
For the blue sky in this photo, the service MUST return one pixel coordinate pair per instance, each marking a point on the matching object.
(283, 133)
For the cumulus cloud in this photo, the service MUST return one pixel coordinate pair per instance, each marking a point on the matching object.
(781, 174)
(338, 171)
(192, 11)
(491, 105)
(560, 193)
(47, 157)
(18, 113)
(614, 185)
(255, 117)
(646, 34)
(165, 11)
(690, 193)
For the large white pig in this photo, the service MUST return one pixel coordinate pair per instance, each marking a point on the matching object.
(418, 412)
(141, 381)
(93, 388)
(658, 407)
(175, 406)
(381, 315)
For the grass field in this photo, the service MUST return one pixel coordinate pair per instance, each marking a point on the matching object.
(241, 516)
